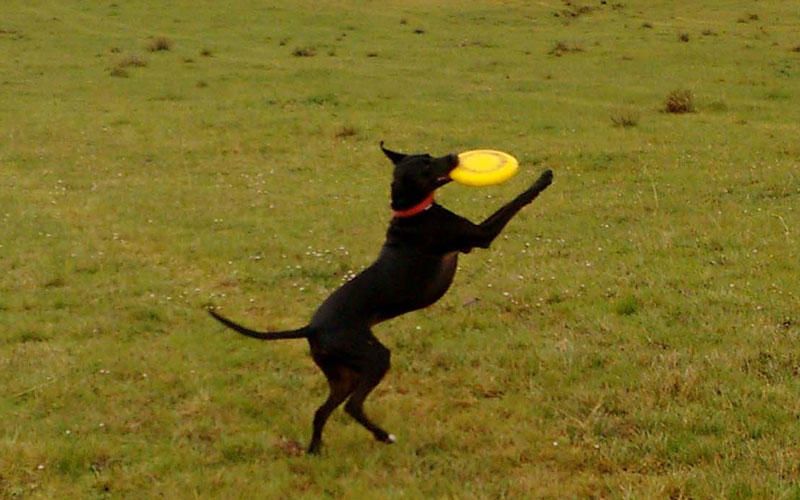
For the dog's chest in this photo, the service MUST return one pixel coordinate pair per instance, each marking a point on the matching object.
(411, 281)
(440, 279)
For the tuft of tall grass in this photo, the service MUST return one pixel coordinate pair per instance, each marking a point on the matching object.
(132, 60)
(627, 306)
(625, 118)
(159, 44)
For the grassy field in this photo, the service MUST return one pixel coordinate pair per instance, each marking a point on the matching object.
(634, 333)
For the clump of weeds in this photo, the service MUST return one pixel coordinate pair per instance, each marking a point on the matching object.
(679, 101)
(304, 52)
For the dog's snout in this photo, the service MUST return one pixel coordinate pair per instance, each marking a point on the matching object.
(452, 160)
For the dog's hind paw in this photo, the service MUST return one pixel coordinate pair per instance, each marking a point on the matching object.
(391, 438)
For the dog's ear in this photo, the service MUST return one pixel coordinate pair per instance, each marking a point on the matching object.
(392, 155)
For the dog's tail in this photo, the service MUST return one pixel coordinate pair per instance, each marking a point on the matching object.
(300, 333)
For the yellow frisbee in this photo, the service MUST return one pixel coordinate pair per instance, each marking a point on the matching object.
(484, 167)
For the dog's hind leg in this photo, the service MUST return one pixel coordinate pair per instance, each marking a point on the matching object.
(342, 382)
(376, 364)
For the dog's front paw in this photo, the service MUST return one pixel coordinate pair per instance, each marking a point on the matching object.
(537, 187)
(543, 181)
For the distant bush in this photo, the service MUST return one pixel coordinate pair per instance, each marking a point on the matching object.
(679, 101)
(159, 44)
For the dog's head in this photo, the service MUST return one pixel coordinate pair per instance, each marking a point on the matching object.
(417, 175)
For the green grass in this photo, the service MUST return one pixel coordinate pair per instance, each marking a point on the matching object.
(637, 329)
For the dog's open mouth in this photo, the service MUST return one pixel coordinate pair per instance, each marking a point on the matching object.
(444, 179)
(446, 164)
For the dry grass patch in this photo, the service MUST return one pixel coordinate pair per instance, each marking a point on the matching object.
(132, 60)
(574, 10)
(345, 132)
(562, 47)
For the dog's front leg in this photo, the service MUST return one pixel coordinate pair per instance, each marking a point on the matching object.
(485, 232)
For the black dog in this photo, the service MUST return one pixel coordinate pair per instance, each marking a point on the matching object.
(414, 269)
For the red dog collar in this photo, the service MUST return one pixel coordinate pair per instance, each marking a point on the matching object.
(416, 209)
